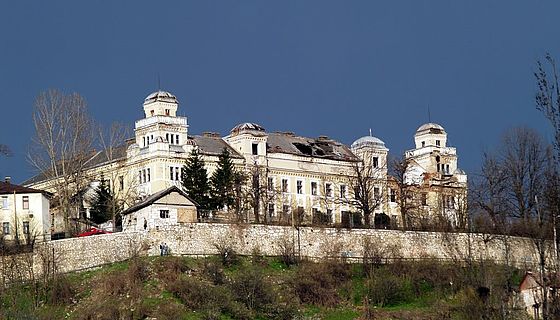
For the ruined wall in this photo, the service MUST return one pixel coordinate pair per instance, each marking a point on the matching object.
(200, 239)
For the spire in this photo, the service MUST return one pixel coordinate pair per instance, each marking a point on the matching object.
(370, 132)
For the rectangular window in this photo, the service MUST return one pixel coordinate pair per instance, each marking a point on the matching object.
(343, 191)
(177, 174)
(285, 209)
(376, 193)
(447, 168)
(4, 202)
(271, 209)
(140, 176)
(25, 202)
(6, 228)
(424, 199)
(166, 112)
(255, 149)
(284, 185)
(328, 189)
(144, 175)
(375, 162)
(392, 195)
(144, 141)
(270, 185)
(148, 174)
(299, 186)
(177, 139)
(171, 173)
(423, 144)
(26, 227)
(121, 182)
(164, 214)
(314, 188)
(437, 143)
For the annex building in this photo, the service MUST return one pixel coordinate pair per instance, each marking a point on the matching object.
(319, 178)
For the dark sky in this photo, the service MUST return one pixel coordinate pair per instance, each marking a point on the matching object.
(334, 68)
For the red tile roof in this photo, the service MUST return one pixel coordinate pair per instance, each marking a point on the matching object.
(8, 188)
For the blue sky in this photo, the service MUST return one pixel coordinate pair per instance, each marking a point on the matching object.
(334, 68)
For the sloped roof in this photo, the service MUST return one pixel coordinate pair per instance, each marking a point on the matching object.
(321, 147)
(155, 197)
(8, 188)
(96, 158)
(213, 146)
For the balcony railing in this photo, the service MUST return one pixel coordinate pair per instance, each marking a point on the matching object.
(182, 121)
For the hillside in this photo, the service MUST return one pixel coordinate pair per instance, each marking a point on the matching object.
(257, 287)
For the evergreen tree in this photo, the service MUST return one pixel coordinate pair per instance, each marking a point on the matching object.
(102, 205)
(223, 182)
(195, 180)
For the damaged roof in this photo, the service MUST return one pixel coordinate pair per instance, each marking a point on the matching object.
(321, 147)
(8, 188)
(213, 145)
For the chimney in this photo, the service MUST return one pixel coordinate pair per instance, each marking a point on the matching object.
(8, 179)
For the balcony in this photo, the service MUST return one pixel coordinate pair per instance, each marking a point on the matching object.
(180, 121)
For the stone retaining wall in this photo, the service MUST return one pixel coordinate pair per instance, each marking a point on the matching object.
(315, 243)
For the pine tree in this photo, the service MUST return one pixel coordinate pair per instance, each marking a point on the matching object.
(101, 207)
(223, 182)
(195, 180)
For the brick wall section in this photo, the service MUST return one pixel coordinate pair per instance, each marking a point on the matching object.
(199, 239)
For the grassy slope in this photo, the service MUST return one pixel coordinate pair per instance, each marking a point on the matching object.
(187, 288)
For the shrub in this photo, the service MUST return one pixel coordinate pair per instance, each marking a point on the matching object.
(287, 252)
(318, 283)
(384, 288)
(250, 288)
(226, 251)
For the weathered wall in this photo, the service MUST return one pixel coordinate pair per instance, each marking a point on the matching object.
(200, 239)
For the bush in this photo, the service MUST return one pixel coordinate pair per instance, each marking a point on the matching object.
(287, 252)
(60, 291)
(385, 289)
(226, 252)
(250, 288)
(318, 283)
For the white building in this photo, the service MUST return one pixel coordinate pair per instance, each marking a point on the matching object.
(314, 176)
(24, 213)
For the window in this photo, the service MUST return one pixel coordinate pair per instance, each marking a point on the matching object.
(166, 112)
(285, 209)
(4, 202)
(423, 144)
(144, 175)
(6, 228)
(357, 193)
(121, 182)
(177, 174)
(271, 209)
(314, 188)
(270, 184)
(167, 137)
(140, 176)
(148, 174)
(25, 202)
(177, 139)
(343, 191)
(447, 168)
(329, 215)
(437, 143)
(392, 195)
(376, 192)
(164, 214)
(152, 113)
(424, 199)
(284, 185)
(375, 162)
(144, 141)
(171, 173)
(299, 187)
(328, 189)
(255, 149)
(26, 227)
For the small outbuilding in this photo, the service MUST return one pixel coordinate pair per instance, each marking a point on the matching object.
(168, 207)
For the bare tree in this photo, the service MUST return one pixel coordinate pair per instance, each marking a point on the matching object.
(367, 185)
(404, 191)
(5, 150)
(121, 181)
(62, 146)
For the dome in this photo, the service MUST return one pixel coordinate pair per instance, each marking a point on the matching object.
(246, 126)
(368, 141)
(161, 96)
(432, 127)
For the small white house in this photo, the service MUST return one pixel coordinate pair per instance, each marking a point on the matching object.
(168, 207)
(24, 213)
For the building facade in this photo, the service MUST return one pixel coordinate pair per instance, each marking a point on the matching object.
(24, 214)
(319, 179)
